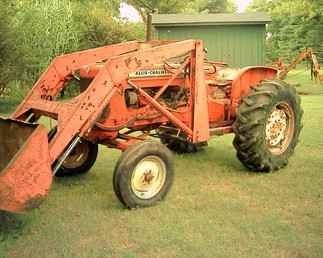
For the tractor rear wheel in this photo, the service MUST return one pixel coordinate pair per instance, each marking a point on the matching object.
(267, 126)
(143, 174)
(80, 160)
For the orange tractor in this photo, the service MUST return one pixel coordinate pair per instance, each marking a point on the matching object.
(129, 93)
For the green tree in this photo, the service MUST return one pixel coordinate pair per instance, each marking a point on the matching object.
(111, 5)
(8, 51)
(44, 30)
(98, 26)
(177, 6)
(297, 24)
(217, 6)
(162, 6)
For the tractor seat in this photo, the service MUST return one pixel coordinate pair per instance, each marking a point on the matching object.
(227, 74)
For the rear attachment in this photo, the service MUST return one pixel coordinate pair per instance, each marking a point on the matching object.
(25, 169)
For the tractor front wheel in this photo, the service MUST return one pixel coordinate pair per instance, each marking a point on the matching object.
(143, 174)
(267, 126)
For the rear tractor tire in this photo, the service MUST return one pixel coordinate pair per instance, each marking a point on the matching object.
(267, 126)
(80, 160)
(143, 174)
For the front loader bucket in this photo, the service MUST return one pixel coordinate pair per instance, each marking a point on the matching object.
(25, 169)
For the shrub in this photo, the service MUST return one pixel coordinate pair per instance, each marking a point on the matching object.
(99, 27)
(44, 30)
(6, 43)
(36, 31)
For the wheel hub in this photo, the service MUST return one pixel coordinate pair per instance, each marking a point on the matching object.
(148, 177)
(276, 127)
(279, 128)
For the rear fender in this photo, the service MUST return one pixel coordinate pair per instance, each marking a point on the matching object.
(247, 78)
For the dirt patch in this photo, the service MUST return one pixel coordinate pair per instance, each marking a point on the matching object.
(303, 93)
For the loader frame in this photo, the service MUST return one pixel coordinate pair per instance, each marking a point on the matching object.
(78, 116)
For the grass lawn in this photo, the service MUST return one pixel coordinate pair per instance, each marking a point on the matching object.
(300, 78)
(216, 208)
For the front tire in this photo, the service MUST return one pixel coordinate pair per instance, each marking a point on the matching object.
(267, 126)
(143, 175)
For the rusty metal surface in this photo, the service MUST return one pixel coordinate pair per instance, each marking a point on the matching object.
(25, 174)
(200, 101)
(245, 79)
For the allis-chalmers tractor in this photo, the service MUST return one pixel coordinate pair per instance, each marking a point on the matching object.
(129, 93)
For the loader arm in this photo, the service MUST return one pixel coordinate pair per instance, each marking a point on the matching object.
(52, 80)
(31, 161)
(78, 116)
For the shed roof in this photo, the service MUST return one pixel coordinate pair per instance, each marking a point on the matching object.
(162, 20)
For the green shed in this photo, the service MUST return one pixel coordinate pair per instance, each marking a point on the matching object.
(237, 39)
